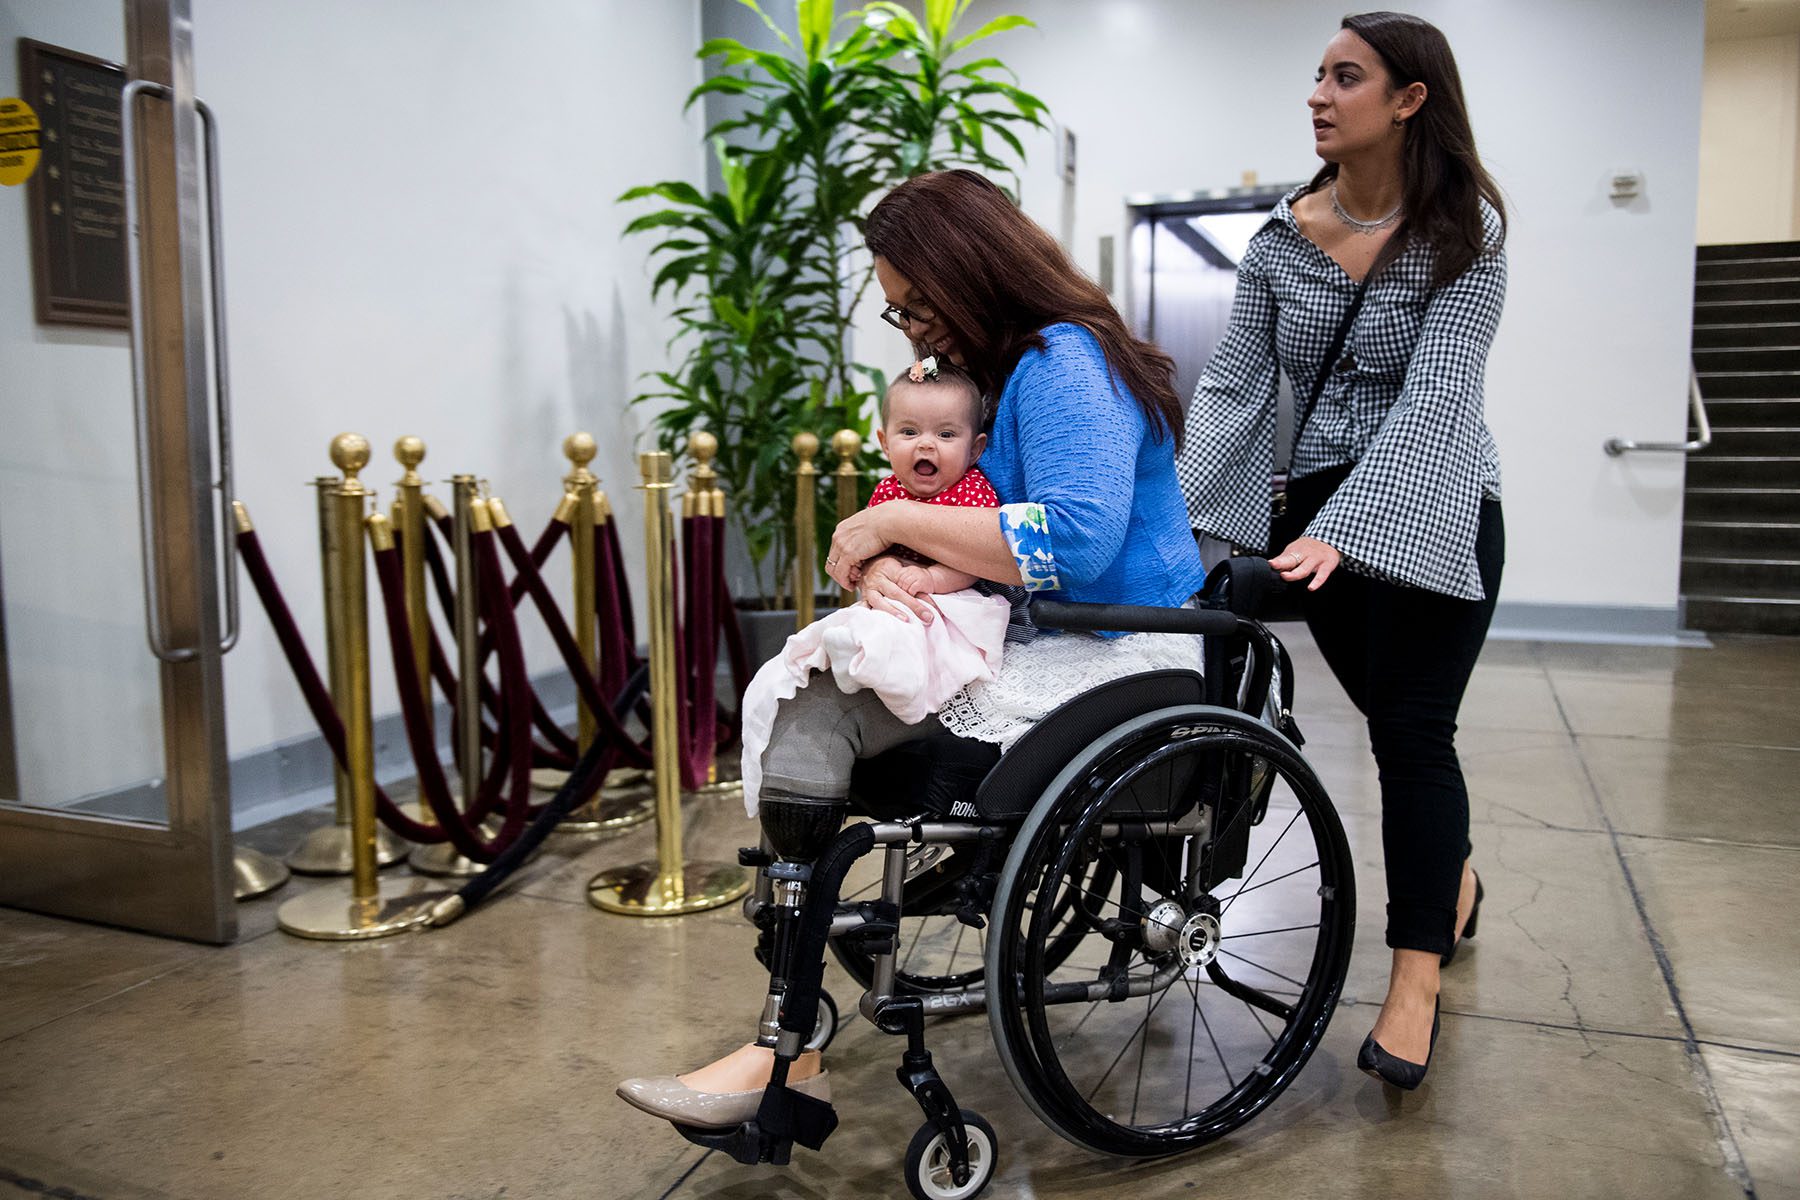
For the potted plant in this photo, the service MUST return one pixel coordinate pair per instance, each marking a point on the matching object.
(768, 272)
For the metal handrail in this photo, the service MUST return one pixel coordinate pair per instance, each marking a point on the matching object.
(1618, 446)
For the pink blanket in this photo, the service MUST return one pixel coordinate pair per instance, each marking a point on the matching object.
(914, 667)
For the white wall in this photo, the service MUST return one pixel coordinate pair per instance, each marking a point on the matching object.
(421, 239)
(1172, 95)
(1749, 123)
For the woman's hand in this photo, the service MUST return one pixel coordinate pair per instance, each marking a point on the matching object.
(859, 538)
(891, 586)
(1307, 556)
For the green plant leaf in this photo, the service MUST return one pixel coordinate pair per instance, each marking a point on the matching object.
(997, 25)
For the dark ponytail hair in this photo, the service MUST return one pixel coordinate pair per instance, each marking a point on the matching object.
(996, 278)
(1444, 182)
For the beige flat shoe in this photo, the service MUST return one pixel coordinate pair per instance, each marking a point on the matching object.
(667, 1097)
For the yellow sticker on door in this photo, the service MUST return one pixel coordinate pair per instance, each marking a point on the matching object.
(19, 151)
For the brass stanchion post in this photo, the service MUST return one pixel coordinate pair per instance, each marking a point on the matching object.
(409, 520)
(327, 851)
(469, 514)
(373, 910)
(668, 886)
(806, 447)
(610, 811)
(848, 447)
(705, 499)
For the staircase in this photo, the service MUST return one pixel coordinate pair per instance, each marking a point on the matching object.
(1740, 541)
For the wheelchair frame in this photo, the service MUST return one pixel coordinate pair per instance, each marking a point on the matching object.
(797, 908)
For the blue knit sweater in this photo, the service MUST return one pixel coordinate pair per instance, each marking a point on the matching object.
(1068, 438)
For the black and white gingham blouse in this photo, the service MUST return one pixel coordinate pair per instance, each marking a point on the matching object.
(1406, 410)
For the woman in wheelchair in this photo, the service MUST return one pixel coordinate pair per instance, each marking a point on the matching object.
(1142, 881)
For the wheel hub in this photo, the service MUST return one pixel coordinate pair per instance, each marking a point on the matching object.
(1163, 926)
(1199, 943)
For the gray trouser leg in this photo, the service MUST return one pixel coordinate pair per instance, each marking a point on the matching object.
(821, 732)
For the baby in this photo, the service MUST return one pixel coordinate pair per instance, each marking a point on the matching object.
(931, 418)
(931, 421)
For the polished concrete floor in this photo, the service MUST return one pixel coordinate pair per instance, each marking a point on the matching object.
(1624, 1025)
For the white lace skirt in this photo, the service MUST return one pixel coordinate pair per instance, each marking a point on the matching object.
(1053, 669)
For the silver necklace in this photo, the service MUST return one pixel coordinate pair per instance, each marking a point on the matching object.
(1375, 226)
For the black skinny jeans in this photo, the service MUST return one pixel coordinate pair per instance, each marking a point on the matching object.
(1404, 655)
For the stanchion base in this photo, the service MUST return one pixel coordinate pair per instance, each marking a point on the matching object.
(444, 860)
(418, 810)
(330, 914)
(724, 787)
(551, 779)
(642, 890)
(256, 873)
(611, 813)
(327, 851)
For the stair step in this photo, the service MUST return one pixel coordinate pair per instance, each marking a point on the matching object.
(1739, 251)
(1765, 576)
(1739, 412)
(1739, 312)
(1720, 270)
(1747, 358)
(1758, 290)
(1738, 441)
(1708, 469)
(1719, 502)
(1745, 333)
(1740, 614)
(1739, 539)
(1748, 385)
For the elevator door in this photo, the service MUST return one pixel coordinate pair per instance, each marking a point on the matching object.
(1184, 257)
(114, 801)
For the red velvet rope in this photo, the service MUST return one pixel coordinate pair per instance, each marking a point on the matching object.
(312, 687)
(434, 788)
(562, 748)
(591, 690)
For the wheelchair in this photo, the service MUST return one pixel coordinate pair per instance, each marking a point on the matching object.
(1149, 895)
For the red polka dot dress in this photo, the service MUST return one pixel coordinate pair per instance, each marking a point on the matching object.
(971, 491)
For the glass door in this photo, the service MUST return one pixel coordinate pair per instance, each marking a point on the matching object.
(114, 561)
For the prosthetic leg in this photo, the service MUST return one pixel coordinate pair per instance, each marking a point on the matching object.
(800, 872)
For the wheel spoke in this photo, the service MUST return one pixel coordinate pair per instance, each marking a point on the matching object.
(1266, 932)
(1266, 970)
(1265, 883)
(1142, 1029)
(1261, 861)
(913, 945)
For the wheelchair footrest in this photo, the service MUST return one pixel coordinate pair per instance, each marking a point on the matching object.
(746, 1143)
(786, 1117)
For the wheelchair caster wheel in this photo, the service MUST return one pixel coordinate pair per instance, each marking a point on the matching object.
(825, 1027)
(928, 1174)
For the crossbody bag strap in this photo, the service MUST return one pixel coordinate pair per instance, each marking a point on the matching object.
(1278, 482)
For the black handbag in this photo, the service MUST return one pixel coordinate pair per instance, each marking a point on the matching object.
(1293, 503)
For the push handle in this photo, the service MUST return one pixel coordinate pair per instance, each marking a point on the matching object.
(140, 383)
(1134, 618)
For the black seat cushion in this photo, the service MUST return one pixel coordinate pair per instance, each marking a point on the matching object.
(925, 776)
(950, 776)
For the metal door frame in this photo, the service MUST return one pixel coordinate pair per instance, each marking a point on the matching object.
(174, 879)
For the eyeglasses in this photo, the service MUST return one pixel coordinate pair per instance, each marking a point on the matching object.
(904, 318)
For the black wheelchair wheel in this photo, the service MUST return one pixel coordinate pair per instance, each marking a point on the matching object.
(936, 952)
(1216, 951)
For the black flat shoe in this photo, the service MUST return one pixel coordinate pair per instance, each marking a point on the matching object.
(1373, 1061)
(1468, 930)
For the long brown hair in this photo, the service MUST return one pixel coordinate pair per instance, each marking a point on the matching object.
(996, 278)
(1443, 181)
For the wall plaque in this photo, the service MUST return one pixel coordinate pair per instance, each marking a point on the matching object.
(77, 196)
